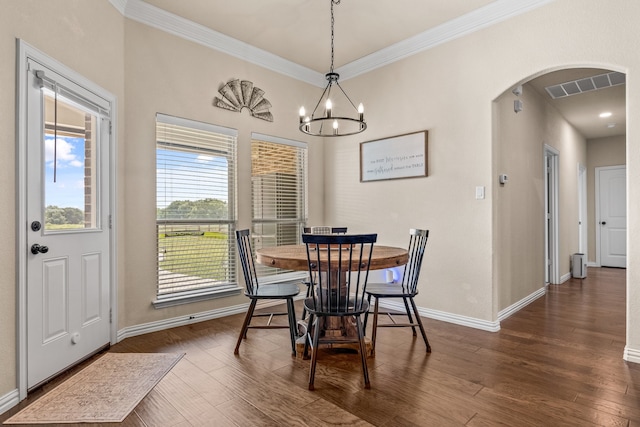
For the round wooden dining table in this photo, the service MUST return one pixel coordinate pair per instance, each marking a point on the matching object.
(294, 257)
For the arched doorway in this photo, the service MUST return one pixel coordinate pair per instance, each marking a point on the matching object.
(558, 110)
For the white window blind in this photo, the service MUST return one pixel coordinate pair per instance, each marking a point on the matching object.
(196, 208)
(278, 192)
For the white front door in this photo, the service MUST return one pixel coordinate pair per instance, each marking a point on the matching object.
(67, 231)
(611, 190)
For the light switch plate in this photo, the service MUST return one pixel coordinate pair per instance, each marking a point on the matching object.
(480, 192)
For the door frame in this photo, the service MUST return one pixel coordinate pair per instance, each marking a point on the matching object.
(24, 52)
(551, 192)
(583, 246)
(597, 218)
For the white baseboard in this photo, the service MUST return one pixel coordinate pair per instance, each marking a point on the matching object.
(160, 325)
(631, 355)
(513, 308)
(145, 328)
(565, 277)
(9, 400)
(445, 317)
(469, 321)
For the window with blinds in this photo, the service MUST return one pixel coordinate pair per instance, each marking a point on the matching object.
(278, 193)
(196, 210)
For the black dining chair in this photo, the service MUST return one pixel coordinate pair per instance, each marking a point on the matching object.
(255, 291)
(406, 290)
(333, 230)
(339, 270)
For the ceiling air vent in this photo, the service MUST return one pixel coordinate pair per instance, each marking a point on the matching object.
(575, 87)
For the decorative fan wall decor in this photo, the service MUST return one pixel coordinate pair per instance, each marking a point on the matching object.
(237, 95)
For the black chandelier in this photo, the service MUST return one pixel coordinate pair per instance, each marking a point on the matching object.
(329, 121)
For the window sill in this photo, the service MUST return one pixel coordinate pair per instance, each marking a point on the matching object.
(220, 292)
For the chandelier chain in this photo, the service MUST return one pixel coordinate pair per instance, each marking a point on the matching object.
(332, 23)
(331, 122)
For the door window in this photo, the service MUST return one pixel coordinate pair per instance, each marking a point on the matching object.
(70, 165)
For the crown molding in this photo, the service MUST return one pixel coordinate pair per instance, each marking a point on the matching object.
(493, 13)
(152, 16)
(120, 5)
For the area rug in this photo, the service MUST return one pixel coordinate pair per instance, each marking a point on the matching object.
(105, 391)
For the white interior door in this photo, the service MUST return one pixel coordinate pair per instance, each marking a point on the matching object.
(611, 191)
(67, 212)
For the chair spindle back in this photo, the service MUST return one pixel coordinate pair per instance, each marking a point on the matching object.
(417, 243)
(243, 239)
(343, 261)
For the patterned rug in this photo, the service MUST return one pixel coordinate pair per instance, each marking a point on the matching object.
(105, 391)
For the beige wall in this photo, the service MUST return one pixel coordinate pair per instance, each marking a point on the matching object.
(427, 91)
(448, 90)
(600, 152)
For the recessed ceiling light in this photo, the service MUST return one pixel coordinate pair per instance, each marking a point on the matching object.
(605, 114)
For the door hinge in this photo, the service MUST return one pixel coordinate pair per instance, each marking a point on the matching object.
(111, 315)
(110, 223)
(110, 128)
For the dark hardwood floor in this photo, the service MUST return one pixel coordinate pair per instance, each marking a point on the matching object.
(557, 362)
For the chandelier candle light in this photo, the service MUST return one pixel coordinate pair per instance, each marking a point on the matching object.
(329, 122)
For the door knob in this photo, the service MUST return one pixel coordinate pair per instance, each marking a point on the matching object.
(36, 249)
(604, 223)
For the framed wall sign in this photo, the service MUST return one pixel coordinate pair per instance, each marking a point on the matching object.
(403, 156)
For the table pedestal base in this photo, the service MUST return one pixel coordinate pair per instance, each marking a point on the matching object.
(302, 331)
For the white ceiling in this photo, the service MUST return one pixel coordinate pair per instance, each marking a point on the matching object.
(583, 110)
(295, 35)
(300, 30)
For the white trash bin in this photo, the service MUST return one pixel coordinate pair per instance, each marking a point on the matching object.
(578, 266)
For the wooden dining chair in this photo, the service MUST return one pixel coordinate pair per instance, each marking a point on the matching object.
(339, 268)
(406, 290)
(255, 291)
(325, 230)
